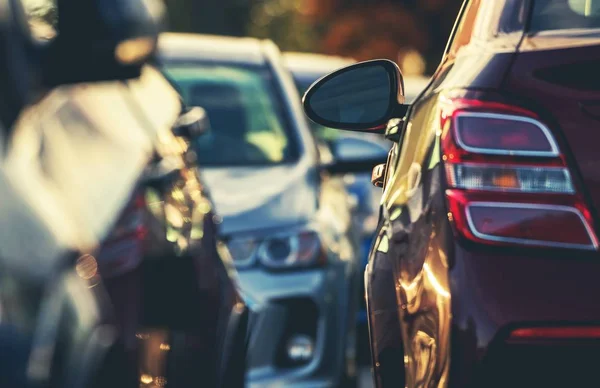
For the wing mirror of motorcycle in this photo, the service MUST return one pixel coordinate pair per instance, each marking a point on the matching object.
(101, 40)
(362, 97)
(192, 123)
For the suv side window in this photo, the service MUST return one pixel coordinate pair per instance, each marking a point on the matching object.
(548, 15)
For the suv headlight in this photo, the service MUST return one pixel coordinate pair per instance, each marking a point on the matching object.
(282, 250)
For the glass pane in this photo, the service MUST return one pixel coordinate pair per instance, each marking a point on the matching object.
(247, 124)
(357, 96)
(565, 14)
(321, 132)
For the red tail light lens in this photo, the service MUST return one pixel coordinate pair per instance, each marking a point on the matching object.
(123, 249)
(545, 333)
(536, 223)
(131, 224)
(503, 134)
(509, 183)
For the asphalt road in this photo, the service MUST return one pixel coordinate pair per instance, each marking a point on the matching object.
(364, 378)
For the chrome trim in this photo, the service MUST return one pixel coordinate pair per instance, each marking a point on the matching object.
(492, 151)
(453, 166)
(593, 242)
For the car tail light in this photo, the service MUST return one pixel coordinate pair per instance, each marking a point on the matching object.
(548, 333)
(131, 223)
(508, 181)
(123, 248)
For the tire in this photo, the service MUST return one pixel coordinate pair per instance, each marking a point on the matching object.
(234, 372)
(350, 369)
(350, 360)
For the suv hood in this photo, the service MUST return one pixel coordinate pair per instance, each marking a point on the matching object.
(258, 198)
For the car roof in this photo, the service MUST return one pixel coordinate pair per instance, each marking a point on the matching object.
(414, 85)
(182, 46)
(313, 63)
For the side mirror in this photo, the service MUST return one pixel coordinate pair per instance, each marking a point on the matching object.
(361, 97)
(353, 154)
(192, 123)
(377, 175)
(101, 40)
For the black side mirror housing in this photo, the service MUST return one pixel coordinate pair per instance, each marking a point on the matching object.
(192, 123)
(362, 97)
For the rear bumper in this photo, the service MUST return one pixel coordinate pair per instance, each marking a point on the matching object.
(494, 294)
(312, 301)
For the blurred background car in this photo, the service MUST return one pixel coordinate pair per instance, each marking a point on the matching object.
(55, 320)
(286, 217)
(107, 232)
(307, 68)
(196, 322)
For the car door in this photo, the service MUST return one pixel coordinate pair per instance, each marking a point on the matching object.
(412, 227)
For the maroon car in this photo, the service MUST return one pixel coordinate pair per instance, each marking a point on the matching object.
(485, 271)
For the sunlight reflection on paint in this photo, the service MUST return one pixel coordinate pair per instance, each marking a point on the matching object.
(434, 282)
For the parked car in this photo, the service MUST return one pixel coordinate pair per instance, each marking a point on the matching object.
(286, 216)
(55, 326)
(484, 270)
(306, 69)
(166, 235)
(103, 207)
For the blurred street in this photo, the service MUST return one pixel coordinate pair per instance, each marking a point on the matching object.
(364, 378)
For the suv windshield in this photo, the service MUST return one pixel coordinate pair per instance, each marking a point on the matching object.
(565, 14)
(248, 126)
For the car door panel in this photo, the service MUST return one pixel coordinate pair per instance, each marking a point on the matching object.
(421, 283)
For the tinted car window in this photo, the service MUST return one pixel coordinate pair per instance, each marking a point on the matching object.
(464, 30)
(248, 126)
(565, 14)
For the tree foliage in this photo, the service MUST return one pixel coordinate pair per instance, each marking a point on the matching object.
(284, 23)
(363, 29)
(222, 17)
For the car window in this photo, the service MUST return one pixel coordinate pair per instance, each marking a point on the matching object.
(464, 30)
(248, 124)
(548, 15)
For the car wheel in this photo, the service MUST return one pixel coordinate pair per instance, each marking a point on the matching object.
(350, 367)
(234, 375)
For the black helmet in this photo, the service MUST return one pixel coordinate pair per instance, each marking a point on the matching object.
(18, 70)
